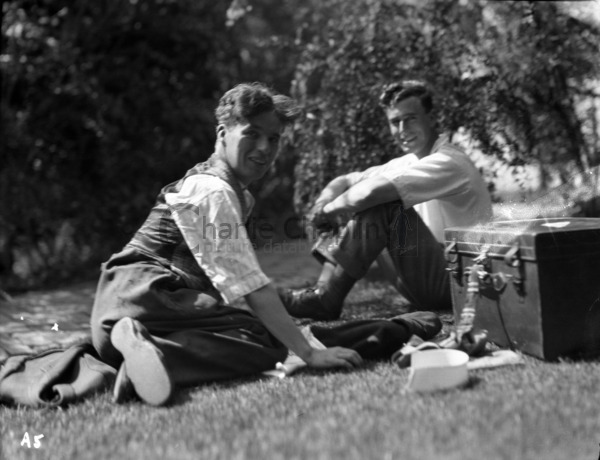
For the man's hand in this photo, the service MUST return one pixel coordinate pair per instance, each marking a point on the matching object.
(266, 304)
(320, 220)
(327, 220)
(334, 357)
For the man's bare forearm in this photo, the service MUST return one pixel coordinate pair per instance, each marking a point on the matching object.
(363, 195)
(268, 307)
(332, 190)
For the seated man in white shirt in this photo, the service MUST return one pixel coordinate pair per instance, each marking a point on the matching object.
(402, 206)
(166, 311)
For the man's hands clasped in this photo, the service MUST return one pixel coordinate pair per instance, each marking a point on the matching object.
(326, 221)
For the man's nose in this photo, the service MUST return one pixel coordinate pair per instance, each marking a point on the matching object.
(262, 143)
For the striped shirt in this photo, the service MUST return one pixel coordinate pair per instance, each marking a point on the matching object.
(216, 234)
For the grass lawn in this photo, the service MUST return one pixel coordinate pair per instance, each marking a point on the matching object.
(536, 411)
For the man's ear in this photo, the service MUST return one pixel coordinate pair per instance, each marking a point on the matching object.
(221, 132)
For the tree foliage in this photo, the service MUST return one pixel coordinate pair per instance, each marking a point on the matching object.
(103, 102)
(513, 75)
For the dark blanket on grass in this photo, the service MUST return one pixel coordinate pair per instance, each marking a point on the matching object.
(54, 377)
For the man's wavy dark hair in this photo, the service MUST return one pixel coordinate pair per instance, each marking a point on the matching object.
(398, 91)
(246, 100)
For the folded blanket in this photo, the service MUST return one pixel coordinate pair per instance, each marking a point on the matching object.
(54, 377)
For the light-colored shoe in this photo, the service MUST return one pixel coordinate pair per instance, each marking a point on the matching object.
(144, 363)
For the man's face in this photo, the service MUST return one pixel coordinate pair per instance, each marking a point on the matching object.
(251, 146)
(411, 126)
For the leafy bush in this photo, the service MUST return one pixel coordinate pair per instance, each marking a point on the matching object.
(514, 75)
(105, 102)
(102, 104)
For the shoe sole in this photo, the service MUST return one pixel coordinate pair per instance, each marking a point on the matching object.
(144, 362)
(123, 390)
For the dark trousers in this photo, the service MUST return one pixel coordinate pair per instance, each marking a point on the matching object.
(201, 339)
(372, 339)
(417, 256)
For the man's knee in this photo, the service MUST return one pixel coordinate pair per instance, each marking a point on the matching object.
(385, 210)
(383, 217)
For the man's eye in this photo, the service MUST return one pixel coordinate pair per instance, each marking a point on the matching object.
(274, 139)
(252, 134)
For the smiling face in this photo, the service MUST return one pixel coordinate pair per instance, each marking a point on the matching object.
(251, 146)
(411, 126)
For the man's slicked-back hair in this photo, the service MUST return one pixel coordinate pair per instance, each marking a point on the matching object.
(398, 91)
(247, 100)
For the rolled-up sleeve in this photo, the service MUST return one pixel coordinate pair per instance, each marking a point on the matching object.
(436, 176)
(209, 217)
(355, 177)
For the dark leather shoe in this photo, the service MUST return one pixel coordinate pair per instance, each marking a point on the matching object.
(308, 303)
(473, 342)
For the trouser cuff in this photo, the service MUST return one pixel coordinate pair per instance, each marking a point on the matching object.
(321, 250)
(326, 249)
